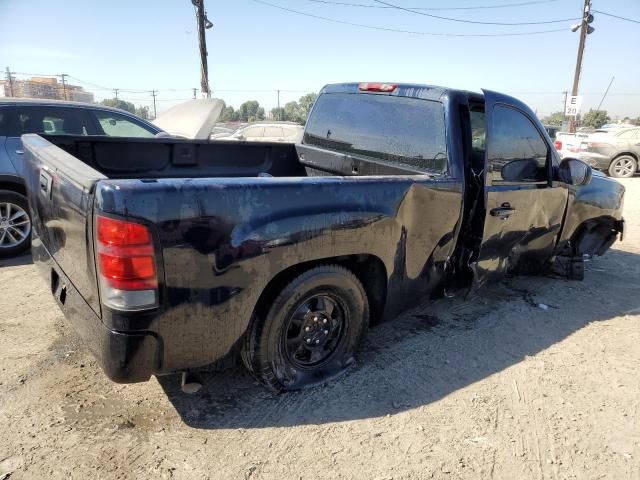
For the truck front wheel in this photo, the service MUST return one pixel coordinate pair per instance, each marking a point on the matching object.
(311, 332)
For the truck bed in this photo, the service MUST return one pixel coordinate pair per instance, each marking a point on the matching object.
(120, 158)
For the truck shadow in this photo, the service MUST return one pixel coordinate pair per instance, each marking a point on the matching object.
(427, 353)
(16, 261)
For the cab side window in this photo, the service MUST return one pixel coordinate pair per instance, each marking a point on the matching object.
(517, 152)
(116, 125)
(53, 120)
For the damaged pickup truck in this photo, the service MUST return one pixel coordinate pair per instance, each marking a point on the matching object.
(171, 255)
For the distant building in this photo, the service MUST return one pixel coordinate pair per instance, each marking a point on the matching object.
(45, 87)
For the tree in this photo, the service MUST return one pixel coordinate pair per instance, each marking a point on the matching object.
(277, 113)
(121, 104)
(306, 102)
(595, 118)
(250, 111)
(292, 112)
(229, 114)
(142, 112)
(295, 111)
(555, 118)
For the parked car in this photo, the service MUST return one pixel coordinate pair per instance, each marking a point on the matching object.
(219, 131)
(53, 117)
(192, 252)
(568, 144)
(552, 130)
(616, 153)
(267, 132)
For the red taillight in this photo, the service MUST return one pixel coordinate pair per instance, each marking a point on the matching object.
(126, 264)
(129, 273)
(377, 87)
(121, 233)
(558, 144)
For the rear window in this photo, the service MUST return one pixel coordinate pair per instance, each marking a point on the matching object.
(401, 130)
(4, 122)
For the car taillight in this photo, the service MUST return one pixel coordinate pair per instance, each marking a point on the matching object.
(558, 144)
(377, 87)
(126, 264)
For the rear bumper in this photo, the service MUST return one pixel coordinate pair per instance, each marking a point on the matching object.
(124, 357)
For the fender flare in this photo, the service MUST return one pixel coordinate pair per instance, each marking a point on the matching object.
(13, 182)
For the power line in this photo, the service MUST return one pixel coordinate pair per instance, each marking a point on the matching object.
(412, 32)
(480, 7)
(616, 16)
(476, 22)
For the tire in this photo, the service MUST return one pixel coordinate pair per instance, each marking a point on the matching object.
(624, 166)
(310, 333)
(15, 224)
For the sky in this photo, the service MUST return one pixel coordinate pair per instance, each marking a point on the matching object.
(256, 49)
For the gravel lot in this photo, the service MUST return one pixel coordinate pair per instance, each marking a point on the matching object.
(466, 388)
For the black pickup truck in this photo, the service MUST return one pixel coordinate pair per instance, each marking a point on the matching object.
(171, 255)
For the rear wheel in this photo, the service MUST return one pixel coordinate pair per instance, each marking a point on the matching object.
(15, 224)
(623, 167)
(311, 332)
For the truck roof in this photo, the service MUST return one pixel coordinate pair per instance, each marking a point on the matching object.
(426, 92)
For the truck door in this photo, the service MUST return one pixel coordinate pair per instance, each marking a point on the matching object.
(524, 208)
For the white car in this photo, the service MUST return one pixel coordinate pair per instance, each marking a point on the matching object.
(267, 132)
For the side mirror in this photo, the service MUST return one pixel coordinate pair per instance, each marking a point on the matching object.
(238, 136)
(575, 172)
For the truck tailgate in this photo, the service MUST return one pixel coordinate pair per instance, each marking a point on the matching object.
(60, 197)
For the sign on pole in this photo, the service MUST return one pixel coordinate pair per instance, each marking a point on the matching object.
(572, 107)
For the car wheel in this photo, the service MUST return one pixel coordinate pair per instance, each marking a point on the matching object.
(623, 167)
(15, 224)
(310, 332)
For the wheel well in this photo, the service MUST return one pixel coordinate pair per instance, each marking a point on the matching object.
(369, 269)
(594, 236)
(14, 187)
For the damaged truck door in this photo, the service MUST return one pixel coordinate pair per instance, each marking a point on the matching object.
(524, 203)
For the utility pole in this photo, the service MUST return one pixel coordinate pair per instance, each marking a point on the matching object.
(279, 112)
(203, 24)
(585, 29)
(564, 108)
(153, 94)
(64, 85)
(115, 90)
(10, 81)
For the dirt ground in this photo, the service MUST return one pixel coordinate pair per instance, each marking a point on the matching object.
(466, 388)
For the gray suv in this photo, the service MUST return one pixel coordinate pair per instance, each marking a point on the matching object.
(53, 117)
(616, 153)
